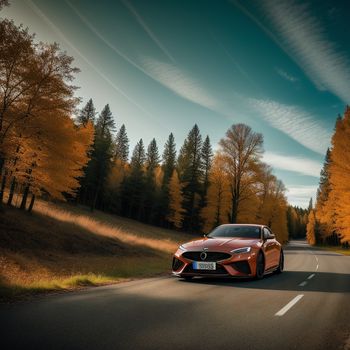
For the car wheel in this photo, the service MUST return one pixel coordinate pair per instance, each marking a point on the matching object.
(281, 263)
(260, 267)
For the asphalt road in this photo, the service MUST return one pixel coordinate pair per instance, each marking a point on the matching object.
(307, 307)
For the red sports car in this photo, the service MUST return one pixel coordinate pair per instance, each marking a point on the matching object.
(232, 250)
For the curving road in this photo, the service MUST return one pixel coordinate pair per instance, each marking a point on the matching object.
(307, 307)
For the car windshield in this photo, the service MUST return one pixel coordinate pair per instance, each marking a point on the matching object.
(241, 231)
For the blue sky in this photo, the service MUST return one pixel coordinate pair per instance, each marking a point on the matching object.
(281, 67)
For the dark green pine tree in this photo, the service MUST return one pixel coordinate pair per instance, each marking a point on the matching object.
(169, 159)
(105, 123)
(133, 186)
(87, 114)
(168, 166)
(324, 185)
(190, 168)
(100, 163)
(207, 158)
(151, 191)
(122, 145)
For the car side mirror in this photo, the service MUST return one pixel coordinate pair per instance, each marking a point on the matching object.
(272, 236)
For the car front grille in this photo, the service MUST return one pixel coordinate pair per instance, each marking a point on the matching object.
(177, 264)
(210, 256)
(220, 270)
(242, 267)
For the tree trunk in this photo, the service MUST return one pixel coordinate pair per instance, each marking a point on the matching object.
(24, 198)
(94, 200)
(2, 189)
(12, 191)
(31, 204)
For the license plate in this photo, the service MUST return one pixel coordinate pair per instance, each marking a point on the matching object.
(204, 265)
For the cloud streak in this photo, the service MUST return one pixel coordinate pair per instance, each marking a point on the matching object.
(298, 124)
(166, 74)
(58, 32)
(179, 82)
(303, 37)
(147, 29)
(286, 75)
(300, 195)
(299, 165)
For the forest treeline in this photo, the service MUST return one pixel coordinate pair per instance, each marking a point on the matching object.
(297, 219)
(45, 151)
(329, 221)
(192, 189)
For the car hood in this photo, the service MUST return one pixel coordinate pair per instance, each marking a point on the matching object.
(222, 244)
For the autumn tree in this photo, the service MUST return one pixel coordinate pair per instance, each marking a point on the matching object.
(176, 211)
(323, 212)
(241, 148)
(41, 150)
(311, 227)
(338, 209)
(218, 204)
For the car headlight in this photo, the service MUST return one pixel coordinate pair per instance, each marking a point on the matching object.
(241, 250)
(182, 248)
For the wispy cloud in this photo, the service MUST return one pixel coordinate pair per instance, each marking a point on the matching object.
(147, 29)
(299, 165)
(59, 33)
(179, 82)
(304, 38)
(300, 195)
(286, 75)
(298, 124)
(166, 74)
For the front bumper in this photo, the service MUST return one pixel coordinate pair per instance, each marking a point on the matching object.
(238, 265)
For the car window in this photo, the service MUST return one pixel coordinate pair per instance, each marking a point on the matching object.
(267, 233)
(241, 231)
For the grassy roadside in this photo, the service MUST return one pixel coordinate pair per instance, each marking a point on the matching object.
(59, 248)
(335, 249)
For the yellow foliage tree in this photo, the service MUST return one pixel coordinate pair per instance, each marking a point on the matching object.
(218, 207)
(311, 227)
(338, 204)
(176, 211)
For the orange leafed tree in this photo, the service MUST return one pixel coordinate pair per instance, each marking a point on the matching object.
(176, 211)
(218, 207)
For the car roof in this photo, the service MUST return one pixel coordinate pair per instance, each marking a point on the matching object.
(256, 225)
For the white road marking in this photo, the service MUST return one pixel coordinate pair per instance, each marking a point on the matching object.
(316, 258)
(289, 305)
(311, 276)
(317, 267)
(302, 284)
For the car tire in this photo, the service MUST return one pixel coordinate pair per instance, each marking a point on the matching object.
(281, 263)
(260, 266)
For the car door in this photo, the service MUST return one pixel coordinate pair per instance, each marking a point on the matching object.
(268, 249)
(275, 253)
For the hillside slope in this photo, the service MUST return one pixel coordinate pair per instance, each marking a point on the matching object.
(64, 247)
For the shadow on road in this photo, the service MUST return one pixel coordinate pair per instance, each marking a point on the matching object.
(289, 280)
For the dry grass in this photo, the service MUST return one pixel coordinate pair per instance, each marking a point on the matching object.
(126, 230)
(335, 249)
(60, 247)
